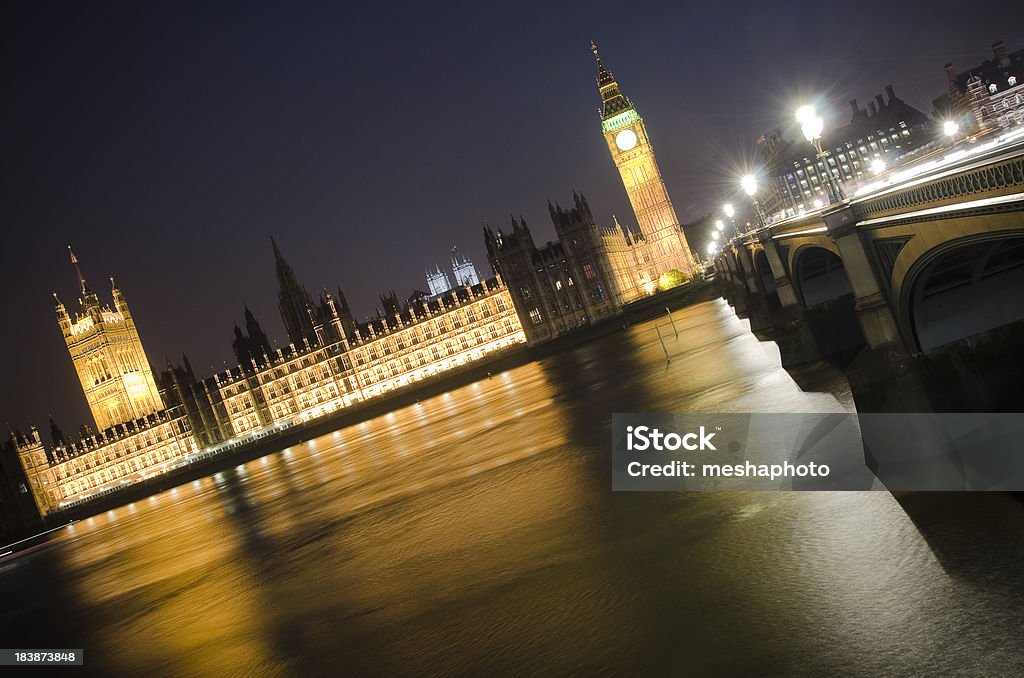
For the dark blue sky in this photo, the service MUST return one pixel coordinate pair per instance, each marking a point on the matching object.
(168, 141)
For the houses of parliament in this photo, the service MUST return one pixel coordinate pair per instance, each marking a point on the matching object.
(150, 421)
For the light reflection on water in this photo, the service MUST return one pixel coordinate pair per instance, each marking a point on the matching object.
(477, 531)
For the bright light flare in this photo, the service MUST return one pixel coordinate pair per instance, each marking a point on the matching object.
(749, 184)
(719, 224)
(877, 165)
(812, 128)
(811, 123)
(950, 128)
(805, 113)
(729, 210)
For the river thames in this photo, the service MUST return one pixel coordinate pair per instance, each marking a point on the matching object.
(476, 533)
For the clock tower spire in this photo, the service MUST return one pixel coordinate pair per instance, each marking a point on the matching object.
(665, 246)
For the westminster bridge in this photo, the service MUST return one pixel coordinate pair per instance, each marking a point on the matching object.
(920, 276)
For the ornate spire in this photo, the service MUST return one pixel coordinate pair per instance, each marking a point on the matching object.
(604, 76)
(613, 101)
(293, 301)
(56, 435)
(78, 272)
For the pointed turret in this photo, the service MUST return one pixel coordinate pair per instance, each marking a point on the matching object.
(240, 346)
(523, 226)
(463, 269)
(120, 304)
(63, 320)
(259, 345)
(78, 272)
(90, 301)
(583, 206)
(345, 315)
(293, 300)
(56, 435)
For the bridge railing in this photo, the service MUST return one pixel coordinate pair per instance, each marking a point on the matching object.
(1002, 176)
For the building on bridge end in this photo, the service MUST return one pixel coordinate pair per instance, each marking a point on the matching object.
(887, 129)
(988, 96)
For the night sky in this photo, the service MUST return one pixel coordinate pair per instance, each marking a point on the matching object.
(168, 142)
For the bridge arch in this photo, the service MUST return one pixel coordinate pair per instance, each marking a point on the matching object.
(819, 276)
(964, 288)
(827, 297)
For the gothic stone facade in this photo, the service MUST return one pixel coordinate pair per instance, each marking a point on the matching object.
(199, 418)
(561, 286)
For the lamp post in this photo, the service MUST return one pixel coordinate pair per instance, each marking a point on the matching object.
(749, 184)
(712, 253)
(731, 212)
(812, 125)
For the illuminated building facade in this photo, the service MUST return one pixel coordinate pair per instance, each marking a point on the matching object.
(63, 475)
(269, 390)
(639, 259)
(137, 435)
(887, 129)
(390, 352)
(464, 270)
(991, 93)
(108, 356)
(437, 281)
(561, 286)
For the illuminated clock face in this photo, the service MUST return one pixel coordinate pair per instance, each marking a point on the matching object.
(625, 140)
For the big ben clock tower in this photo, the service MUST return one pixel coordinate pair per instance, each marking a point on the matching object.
(663, 243)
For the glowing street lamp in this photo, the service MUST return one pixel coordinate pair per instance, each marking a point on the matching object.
(719, 224)
(950, 128)
(749, 184)
(730, 212)
(812, 125)
(877, 165)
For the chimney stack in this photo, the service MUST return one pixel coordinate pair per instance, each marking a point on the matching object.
(891, 93)
(880, 100)
(999, 50)
(871, 108)
(854, 107)
(950, 73)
